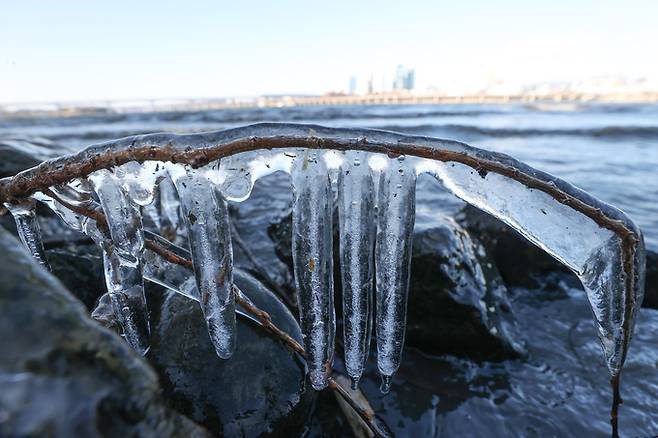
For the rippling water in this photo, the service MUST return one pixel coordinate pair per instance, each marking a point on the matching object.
(610, 151)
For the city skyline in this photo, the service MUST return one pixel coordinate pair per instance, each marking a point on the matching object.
(76, 51)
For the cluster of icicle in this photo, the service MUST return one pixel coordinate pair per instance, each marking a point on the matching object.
(375, 197)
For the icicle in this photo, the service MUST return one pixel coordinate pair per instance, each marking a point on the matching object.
(313, 262)
(357, 239)
(206, 215)
(396, 204)
(122, 258)
(27, 225)
(169, 205)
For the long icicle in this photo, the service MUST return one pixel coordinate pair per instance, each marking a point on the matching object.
(396, 206)
(313, 262)
(27, 225)
(122, 257)
(207, 218)
(356, 195)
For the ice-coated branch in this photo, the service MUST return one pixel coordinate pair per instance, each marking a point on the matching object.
(595, 240)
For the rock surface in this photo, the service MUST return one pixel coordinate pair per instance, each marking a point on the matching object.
(17, 154)
(261, 390)
(80, 269)
(62, 374)
(457, 301)
(651, 292)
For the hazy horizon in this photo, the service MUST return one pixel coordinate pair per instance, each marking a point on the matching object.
(73, 51)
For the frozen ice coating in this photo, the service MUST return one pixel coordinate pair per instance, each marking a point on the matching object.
(312, 240)
(555, 227)
(29, 232)
(395, 223)
(122, 258)
(209, 233)
(595, 240)
(169, 204)
(356, 216)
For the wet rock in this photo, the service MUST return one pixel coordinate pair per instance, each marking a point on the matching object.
(80, 268)
(261, 390)
(651, 292)
(64, 375)
(458, 303)
(17, 154)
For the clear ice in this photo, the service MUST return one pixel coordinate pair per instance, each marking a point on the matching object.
(206, 214)
(28, 229)
(312, 252)
(356, 216)
(395, 210)
(375, 199)
(122, 258)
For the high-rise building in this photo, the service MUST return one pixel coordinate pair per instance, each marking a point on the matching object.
(353, 85)
(410, 80)
(405, 79)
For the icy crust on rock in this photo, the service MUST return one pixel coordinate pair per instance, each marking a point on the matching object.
(598, 242)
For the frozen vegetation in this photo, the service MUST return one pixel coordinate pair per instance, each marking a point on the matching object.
(370, 176)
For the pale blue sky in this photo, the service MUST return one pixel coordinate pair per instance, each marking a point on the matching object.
(71, 50)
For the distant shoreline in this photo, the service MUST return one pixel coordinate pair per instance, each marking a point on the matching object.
(100, 108)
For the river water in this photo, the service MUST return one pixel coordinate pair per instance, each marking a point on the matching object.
(561, 388)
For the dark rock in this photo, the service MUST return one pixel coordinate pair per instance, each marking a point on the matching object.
(81, 270)
(17, 154)
(64, 375)
(651, 291)
(457, 301)
(261, 390)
